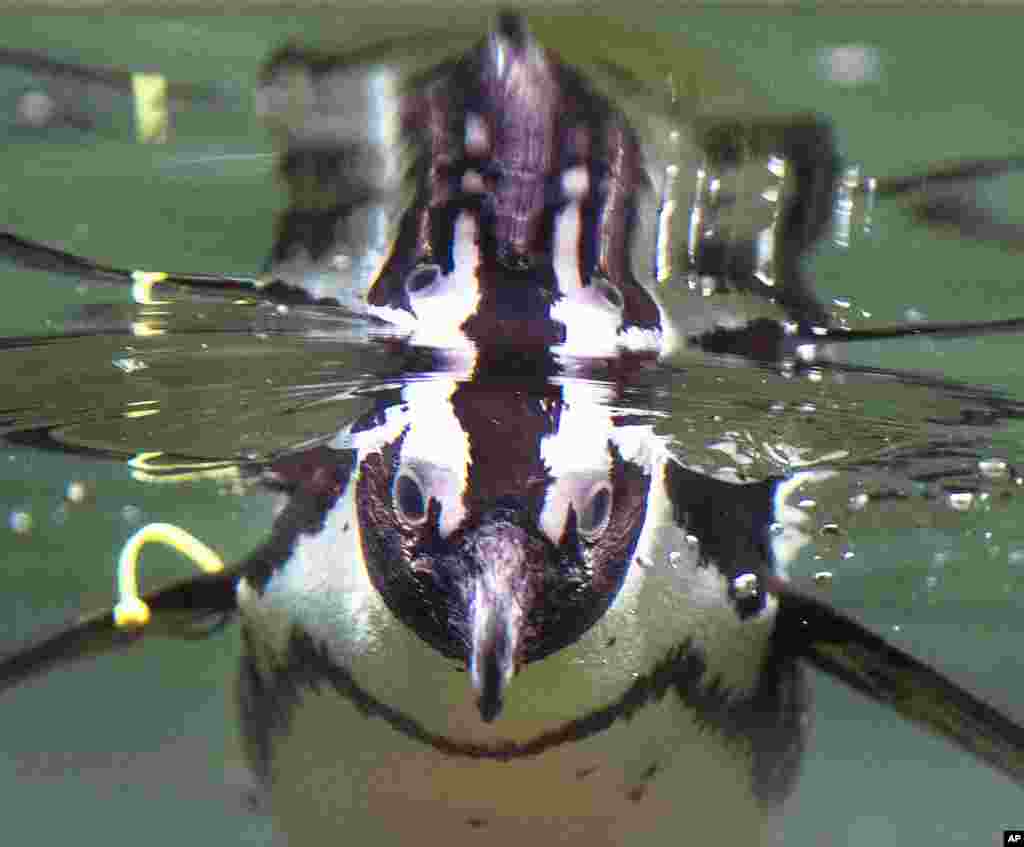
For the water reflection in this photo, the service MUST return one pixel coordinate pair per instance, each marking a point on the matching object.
(529, 570)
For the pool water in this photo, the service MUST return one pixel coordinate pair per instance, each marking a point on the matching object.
(150, 734)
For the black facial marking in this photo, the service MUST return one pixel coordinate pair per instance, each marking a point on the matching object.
(422, 278)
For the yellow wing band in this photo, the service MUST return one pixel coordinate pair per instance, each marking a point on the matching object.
(131, 611)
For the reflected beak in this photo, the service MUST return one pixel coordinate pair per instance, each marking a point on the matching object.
(496, 612)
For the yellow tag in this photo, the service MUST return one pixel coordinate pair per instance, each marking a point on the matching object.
(131, 611)
(151, 120)
(142, 287)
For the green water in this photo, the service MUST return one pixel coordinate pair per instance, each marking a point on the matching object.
(148, 736)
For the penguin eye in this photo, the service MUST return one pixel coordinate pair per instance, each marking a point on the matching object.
(422, 278)
(409, 499)
(596, 511)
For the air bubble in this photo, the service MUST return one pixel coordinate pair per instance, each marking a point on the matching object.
(129, 365)
(36, 109)
(849, 64)
(20, 522)
(993, 467)
(960, 501)
(76, 492)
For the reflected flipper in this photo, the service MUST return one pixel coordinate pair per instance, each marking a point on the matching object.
(943, 175)
(183, 609)
(843, 648)
(33, 255)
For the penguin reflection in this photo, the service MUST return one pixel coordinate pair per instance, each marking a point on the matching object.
(542, 190)
(507, 607)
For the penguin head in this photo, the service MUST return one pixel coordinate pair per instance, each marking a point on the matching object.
(511, 557)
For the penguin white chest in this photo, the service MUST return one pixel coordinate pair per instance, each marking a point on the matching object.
(656, 778)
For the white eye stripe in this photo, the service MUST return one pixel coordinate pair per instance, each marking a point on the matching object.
(443, 307)
(565, 258)
(438, 446)
(478, 136)
(472, 182)
(575, 182)
(466, 244)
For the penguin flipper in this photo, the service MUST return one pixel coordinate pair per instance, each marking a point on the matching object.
(183, 609)
(840, 646)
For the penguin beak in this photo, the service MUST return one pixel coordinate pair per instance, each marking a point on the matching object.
(496, 611)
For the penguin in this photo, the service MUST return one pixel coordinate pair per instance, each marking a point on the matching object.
(501, 606)
(504, 610)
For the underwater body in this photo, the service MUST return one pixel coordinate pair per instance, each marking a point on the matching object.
(527, 284)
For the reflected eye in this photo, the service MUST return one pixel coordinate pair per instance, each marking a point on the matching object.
(422, 278)
(609, 293)
(593, 517)
(409, 499)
